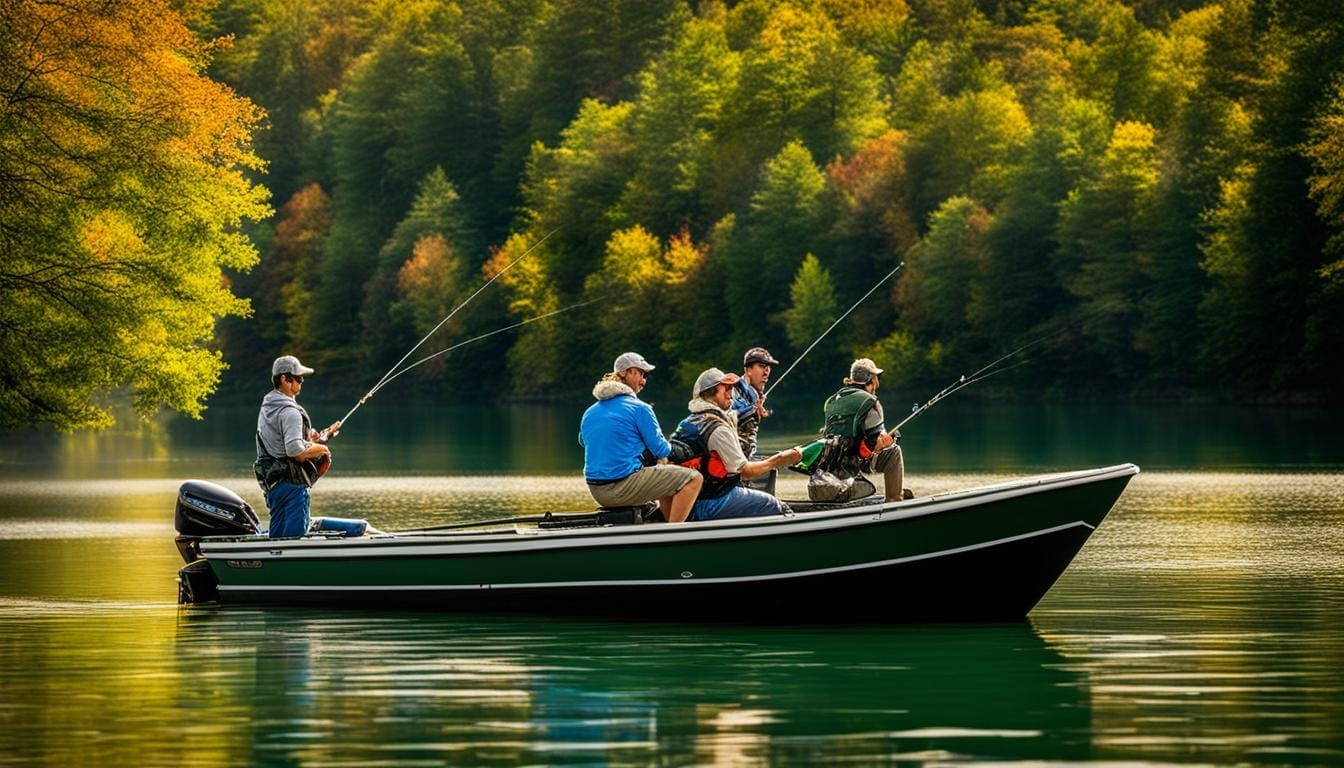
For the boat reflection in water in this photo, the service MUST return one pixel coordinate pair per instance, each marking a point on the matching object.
(402, 688)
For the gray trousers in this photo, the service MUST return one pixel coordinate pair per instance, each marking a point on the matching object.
(890, 462)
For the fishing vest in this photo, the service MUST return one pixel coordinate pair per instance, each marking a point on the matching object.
(272, 470)
(693, 432)
(749, 423)
(845, 414)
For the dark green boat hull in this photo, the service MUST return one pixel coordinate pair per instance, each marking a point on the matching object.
(978, 555)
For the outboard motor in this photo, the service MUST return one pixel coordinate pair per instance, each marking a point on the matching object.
(206, 509)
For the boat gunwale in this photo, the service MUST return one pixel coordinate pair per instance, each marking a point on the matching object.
(497, 540)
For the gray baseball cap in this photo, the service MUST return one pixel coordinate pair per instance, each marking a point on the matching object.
(291, 365)
(712, 378)
(631, 360)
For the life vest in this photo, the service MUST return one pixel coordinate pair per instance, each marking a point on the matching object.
(693, 432)
(846, 411)
(749, 422)
(271, 470)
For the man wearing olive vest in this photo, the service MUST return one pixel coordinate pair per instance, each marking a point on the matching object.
(854, 416)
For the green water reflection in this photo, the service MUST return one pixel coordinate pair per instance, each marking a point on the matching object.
(295, 687)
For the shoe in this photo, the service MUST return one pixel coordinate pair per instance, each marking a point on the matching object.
(906, 493)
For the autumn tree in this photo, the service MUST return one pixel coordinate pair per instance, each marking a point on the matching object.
(121, 195)
(427, 283)
(281, 289)
(799, 81)
(536, 359)
(286, 56)
(435, 213)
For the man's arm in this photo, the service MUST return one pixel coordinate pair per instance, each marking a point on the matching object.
(298, 446)
(650, 432)
(779, 460)
(876, 420)
(730, 453)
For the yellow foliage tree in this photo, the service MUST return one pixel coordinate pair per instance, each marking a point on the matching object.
(122, 190)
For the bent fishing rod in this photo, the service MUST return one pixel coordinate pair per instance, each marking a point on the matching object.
(828, 330)
(446, 318)
(984, 373)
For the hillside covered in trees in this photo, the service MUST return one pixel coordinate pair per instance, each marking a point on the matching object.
(1157, 184)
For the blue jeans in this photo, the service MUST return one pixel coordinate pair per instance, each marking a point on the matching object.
(739, 502)
(289, 505)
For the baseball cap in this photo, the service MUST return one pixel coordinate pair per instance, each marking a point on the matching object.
(631, 360)
(712, 378)
(863, 369)
(758, 355)
(291, 365)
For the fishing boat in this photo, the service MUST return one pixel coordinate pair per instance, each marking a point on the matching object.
(982, 554)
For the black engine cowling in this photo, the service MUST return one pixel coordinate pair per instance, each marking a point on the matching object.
(207, 509)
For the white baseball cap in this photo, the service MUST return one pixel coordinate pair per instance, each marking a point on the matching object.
(631, 360)
(289, 364)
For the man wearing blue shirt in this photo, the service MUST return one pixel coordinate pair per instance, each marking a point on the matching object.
(616, 431)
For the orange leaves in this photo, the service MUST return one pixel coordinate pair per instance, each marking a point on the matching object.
(121, 184)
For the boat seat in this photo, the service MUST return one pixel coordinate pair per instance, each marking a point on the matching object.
(635, 515)
(805, 505)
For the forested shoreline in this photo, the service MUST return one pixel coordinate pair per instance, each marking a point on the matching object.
(1157, 186)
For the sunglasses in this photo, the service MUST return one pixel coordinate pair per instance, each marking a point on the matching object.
(295, 379)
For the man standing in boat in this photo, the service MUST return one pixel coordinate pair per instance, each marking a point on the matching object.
(291, 455)
(712, 434)
(854, 419)
(749, 396)
(616, 431)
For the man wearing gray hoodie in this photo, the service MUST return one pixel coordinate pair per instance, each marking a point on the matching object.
(291, 455)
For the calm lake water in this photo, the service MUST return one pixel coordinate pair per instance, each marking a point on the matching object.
(1203, 624)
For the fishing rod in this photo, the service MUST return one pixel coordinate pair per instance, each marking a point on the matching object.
(482, 523)
(449, 316)
(475, 339)
(980, 375)
(557, 519)
(828, 330)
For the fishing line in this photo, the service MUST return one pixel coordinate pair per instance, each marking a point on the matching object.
(828, 330)
(956, 387)
(980, 375)
(474, 339)
(387, 376)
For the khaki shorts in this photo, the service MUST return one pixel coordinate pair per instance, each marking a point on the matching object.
(648, 484)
